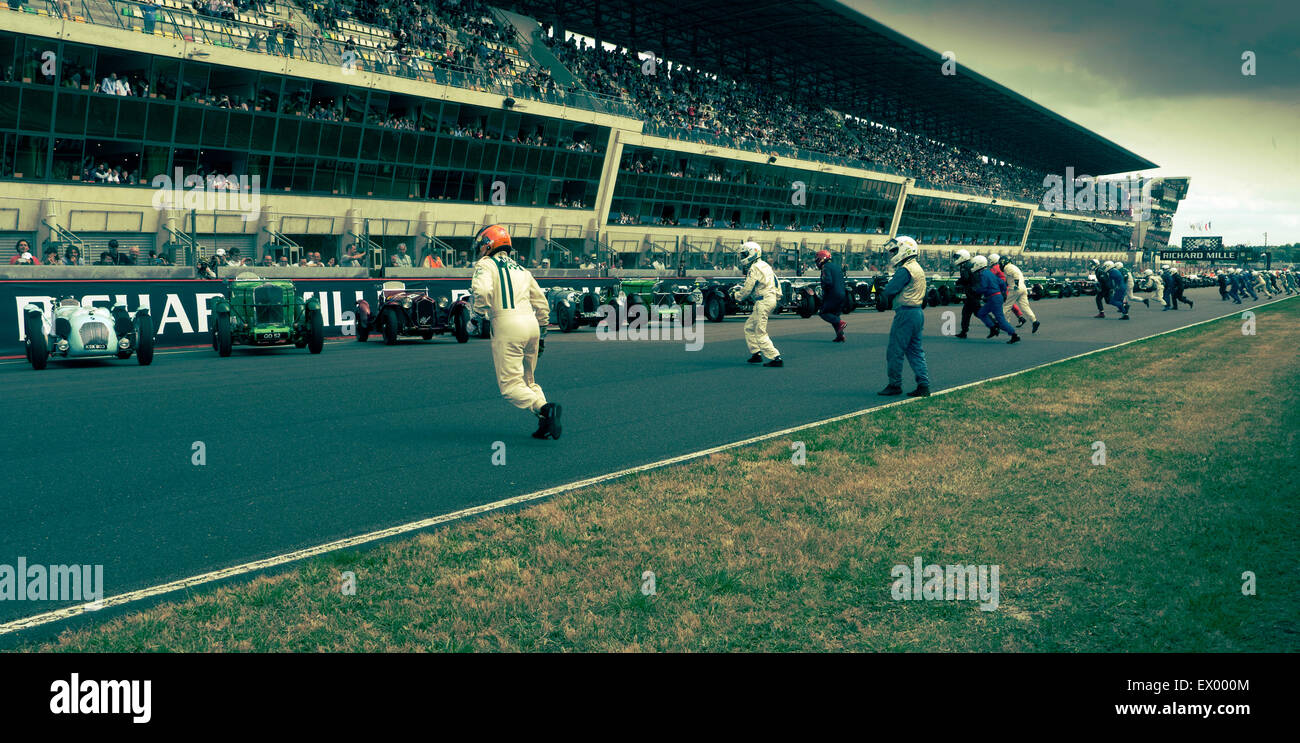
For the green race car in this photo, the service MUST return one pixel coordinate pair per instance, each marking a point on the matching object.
(265, 312)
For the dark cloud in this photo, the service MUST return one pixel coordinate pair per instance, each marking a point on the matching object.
(1143, 48)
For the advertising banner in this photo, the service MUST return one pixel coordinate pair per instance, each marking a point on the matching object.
(1198, 255)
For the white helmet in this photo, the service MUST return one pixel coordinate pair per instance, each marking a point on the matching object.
(960, 257)
(749, 252)
(1147, 272)
(1108, 265)
(1173, 270)
(994, 257)
(1119, 264)
(1164, 267)
(902, 248)
(979, 262)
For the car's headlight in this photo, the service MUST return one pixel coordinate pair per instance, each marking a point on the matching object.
(443, 302)
(63, 344)
(697, 296)
(406, 302)
(123, 343)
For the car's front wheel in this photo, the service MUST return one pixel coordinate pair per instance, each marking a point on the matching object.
(144, 340)
(390, 326)
(564, 317)
(807, 305)
(714, 309)
(460, 324)
(38, 346)
(315, 331)
(221, 340)
(363, 324)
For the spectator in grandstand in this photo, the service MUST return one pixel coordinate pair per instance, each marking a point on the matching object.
(131, 257)
(72, 257)
(149, 14)
(290, 36)
(332, 262)
(283, 261)
(52, 257)
(403, 260)
(432, 260)
(311, 260)
(268, 259)
(354, 257)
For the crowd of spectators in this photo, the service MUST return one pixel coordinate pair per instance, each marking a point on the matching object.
(462, 35)
(748, 114)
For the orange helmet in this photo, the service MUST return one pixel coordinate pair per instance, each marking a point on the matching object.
(491, 240)
(821, 257)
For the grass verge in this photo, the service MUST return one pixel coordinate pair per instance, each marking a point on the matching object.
(753, 552)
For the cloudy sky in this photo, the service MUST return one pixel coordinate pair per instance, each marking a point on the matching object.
(1163, 78)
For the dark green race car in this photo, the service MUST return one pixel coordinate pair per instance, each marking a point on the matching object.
(265, 312)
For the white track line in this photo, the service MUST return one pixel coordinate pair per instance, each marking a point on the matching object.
(271, 562)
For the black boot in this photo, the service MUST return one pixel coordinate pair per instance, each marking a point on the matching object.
(891, 390)
(549, 426)
(992, 332)
(1035, 330)
(755, 359)
(543, 422)
(775, 362)
(920, 391)
(962, 334)
(1015, 338)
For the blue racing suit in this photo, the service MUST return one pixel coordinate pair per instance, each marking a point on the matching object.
(992, 290)
(1118, 298)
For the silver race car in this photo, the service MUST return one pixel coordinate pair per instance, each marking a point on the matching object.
(70, 330)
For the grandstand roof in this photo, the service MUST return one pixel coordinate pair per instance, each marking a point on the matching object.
(824, 48)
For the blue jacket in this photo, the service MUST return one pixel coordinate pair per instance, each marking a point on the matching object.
(987, 283)
(1117, 280)
(832, 287)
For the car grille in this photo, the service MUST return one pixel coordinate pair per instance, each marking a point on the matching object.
(268, 301)
(94, 332)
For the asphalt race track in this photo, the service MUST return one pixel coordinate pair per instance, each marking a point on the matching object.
(304, 449)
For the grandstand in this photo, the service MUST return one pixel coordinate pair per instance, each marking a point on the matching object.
(801, 125)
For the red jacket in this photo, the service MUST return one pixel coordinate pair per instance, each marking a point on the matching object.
(14, 261)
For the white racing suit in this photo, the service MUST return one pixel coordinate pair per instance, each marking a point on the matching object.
(1017, 292)
(1159, 285)
(760, 282)
(508, 295)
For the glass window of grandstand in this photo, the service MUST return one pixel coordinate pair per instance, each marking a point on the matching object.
(936, 221)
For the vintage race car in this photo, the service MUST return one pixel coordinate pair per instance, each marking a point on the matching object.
(70, 330)
(411, 313)
(669, 296)
(719, 301)
(265, 312)
(574, 308)
(1047, 288)
(801, 296)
